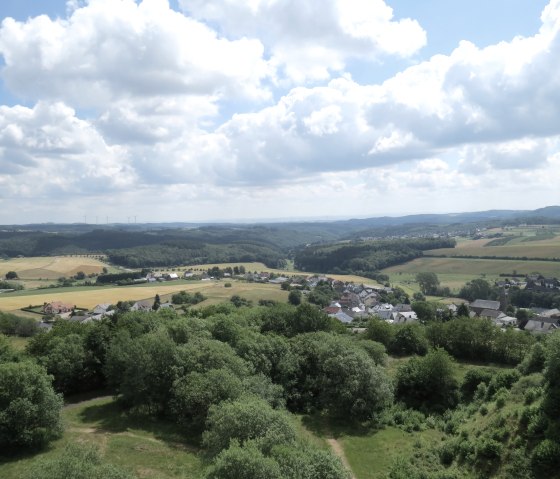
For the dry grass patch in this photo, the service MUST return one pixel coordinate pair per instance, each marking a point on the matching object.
(51, 267)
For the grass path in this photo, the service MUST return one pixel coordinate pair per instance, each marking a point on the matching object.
(339, 451)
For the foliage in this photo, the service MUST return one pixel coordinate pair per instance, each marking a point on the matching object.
(336, 375)
(478, 289)
(243, 420)
(13, 325)
(428, 282)
(78, 461)
(428, 383)
(29, 407)
(182, 297)
(409, 339)
(363, 258)
(294, 297)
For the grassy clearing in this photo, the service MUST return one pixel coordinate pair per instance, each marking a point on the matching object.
(89, 297)
(51, 267)
(149, 448)
(17, 342)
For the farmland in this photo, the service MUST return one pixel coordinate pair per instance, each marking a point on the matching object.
(51, 267)
(89, 297)
(516, 243)
(454, 272)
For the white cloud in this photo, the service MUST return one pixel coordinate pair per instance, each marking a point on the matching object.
(108, 50)
(310, 40)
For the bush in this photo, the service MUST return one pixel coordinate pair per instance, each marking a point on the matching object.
(227, 285)
(29, 407)
(488, 448)
(545, 459)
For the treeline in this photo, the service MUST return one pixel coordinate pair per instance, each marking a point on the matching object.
(365, 258)
(463, 338)
(179, 253)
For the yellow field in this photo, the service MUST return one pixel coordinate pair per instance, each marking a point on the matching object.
(215, 291)
(50, 267)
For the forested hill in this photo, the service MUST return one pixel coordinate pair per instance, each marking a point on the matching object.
(364, 258)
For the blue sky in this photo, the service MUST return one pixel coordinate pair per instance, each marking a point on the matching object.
(192, 110)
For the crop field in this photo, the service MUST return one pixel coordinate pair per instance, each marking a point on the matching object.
(516, 243)
(89, 297)
(51, 267)
(455, 272)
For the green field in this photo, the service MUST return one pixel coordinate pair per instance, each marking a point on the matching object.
(535, 242)
(455, 272)
(151, 449)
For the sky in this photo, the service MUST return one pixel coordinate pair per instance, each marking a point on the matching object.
(229, 110)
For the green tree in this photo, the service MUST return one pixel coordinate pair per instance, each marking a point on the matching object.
(246, 462)
(244, 420)
(428, 383)
(194, 393)
(11, 275)
(380, 331)
(294, 297)
(424, 310)
(409, 339)
(29, 407)
(428, 282)
(157, 303)
(463, 311)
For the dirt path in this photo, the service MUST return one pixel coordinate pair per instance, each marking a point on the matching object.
(337, 449)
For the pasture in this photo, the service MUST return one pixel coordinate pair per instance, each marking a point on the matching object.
(88, 297)
(51, 267)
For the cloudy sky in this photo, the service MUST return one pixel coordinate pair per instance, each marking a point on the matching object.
(203, 110)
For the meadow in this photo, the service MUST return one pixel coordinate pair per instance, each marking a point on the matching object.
(151, 449)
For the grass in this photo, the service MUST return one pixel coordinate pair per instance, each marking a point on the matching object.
(17, 342)
(149, 448)
(51, 267)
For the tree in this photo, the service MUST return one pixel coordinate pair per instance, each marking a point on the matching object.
(428, 383)
(463, 311)
(477, 289)
(424, 310)
(294, 297)
(245, 461)
(409, 339)
(29, 407)
(244, 420)
(380, 331)
(11, 275)
(428, 282)
(157, 303)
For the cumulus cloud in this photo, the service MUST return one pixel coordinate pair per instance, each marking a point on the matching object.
(108, 50)
(48, 149)
(310, 40)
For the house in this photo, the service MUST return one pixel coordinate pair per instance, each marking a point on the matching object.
(145, 305)
(188, 274)
(505, 321)
(278, 280)
(541, 325)
(101, 308)
(480, 305)
(342, 317)
(57, 307)
(491, 314)
(405, 317)
(171, 276)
